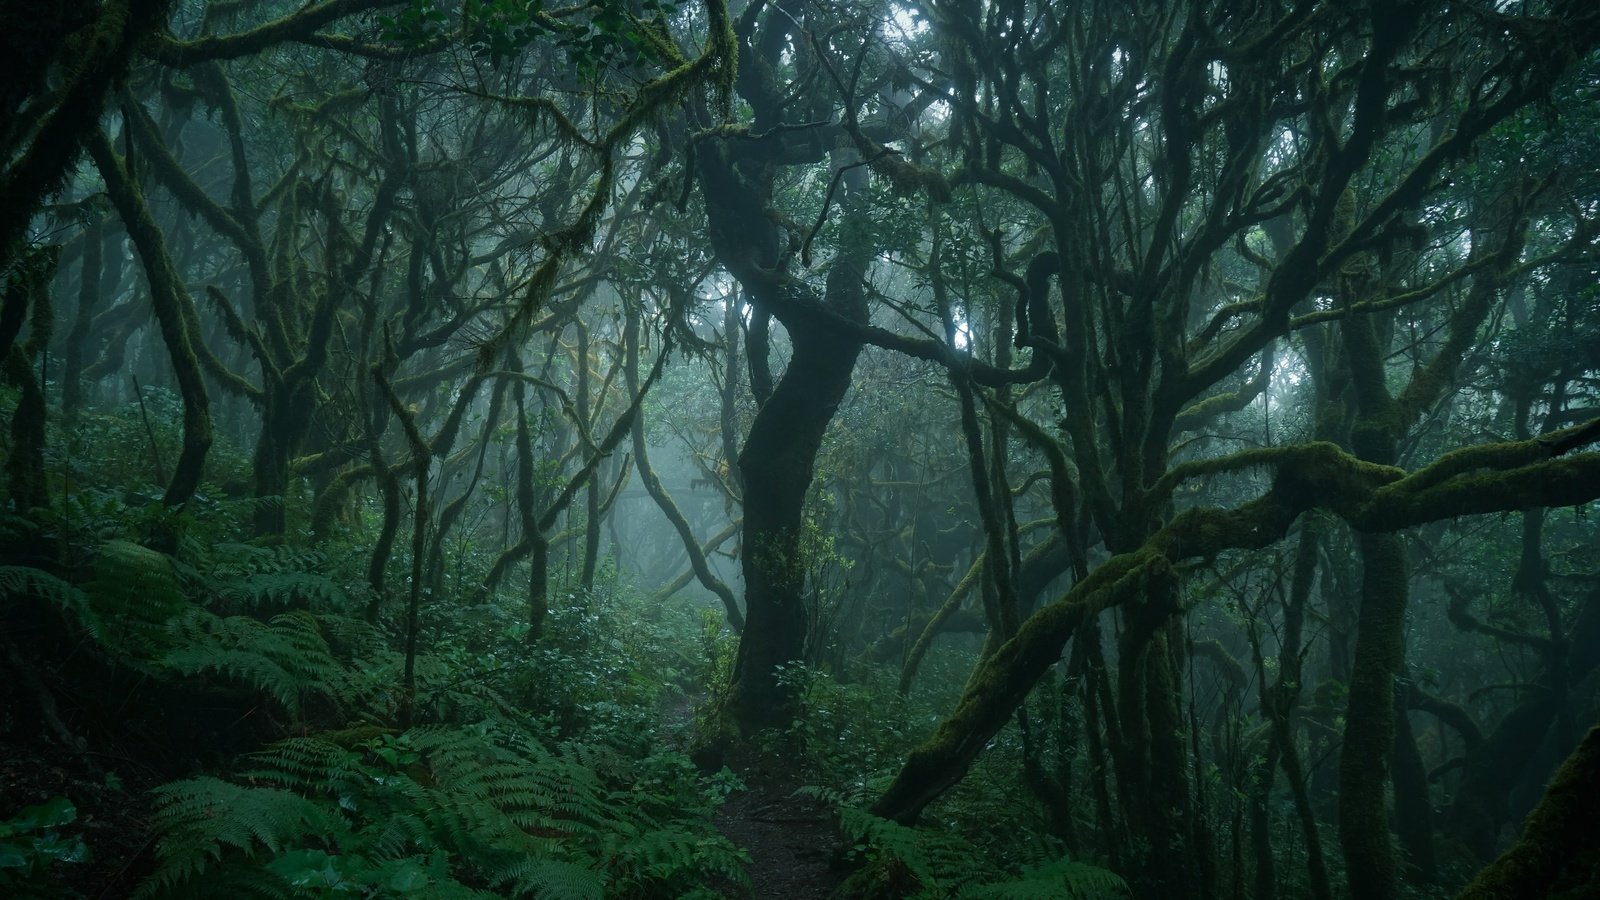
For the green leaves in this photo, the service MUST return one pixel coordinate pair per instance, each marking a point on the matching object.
(418, 25)
(29, 843)
(433, 810)
(497, 31)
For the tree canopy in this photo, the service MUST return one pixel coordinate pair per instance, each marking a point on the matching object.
(1035, 427)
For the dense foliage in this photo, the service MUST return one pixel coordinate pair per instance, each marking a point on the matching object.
(899, 448)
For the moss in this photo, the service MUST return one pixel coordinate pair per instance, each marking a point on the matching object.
(1557, 841)
(935, 624)
(173, 308)
(1370, 717)
(1567, 481)
(1005, 677)
(299, 25)
(99, 58)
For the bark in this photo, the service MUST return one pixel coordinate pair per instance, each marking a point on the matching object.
(95, 58)
(778, 459)
(171, 301)
(423, 459)
(658, 492)
(90, 281)
(592, 504)
(1413, 808)
(383, 546)
(1370, 718)
(1557, 843)
(1309, 476)
(532, 533)
(1266, 879)
(29, 290)
(998, 572)
(776, 466)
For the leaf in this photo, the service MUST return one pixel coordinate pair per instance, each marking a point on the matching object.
(306, 868)
(52, 813)
(13, 857)
(409, 877)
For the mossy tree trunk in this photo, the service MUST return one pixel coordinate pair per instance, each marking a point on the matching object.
(777, 462)
(1556, 850)
(658, 492)
(173, 309)
(27, 295)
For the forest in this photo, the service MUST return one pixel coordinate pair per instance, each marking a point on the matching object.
(791, 449)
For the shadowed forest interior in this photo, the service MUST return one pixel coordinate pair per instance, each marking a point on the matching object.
(798, 449)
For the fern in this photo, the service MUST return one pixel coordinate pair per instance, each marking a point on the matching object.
(937, 861)
(19, 584)
(286, 590)
(206, 824)
(942, 865)
(1064, 879)
(286, 659)
(310, 766)
(550, 879)
(440, 807)
(231, 561)
(670, 854)
(136, 592)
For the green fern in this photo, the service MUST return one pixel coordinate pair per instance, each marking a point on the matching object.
(22, 584)
(550, 879)
(1064, 879)
(932, 865)
(136, 592)
(667, 853)
(232, 561)
(938, 862)
(287, 659)
(286, 590)
(434, 808)
(209, 827)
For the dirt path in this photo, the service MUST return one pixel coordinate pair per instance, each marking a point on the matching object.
(791, 839)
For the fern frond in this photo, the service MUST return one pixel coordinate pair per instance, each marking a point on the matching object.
(203, 822)
(664, 853)
(309, 766)
(136, 592)
(285, 659)
(232, 561)
(19, 584)
(352, 638)
(287, 590)
(550, 879)
(1065, 879)
(535, 787)
(399, 836)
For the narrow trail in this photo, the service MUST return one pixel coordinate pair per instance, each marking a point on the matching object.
(790, 839)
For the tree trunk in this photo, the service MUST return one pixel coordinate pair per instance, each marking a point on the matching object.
(169, 296)
(1369, 728)
(776, 466)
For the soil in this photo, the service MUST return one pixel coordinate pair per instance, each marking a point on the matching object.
(112, 814)
(791, 838)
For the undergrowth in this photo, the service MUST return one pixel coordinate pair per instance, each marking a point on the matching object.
(534, 770)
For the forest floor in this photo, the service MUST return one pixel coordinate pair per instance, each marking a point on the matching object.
(791, 838)
(111, 815)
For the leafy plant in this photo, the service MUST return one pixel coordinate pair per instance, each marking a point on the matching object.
(444, 810)
(31, 844)
(894, 860)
